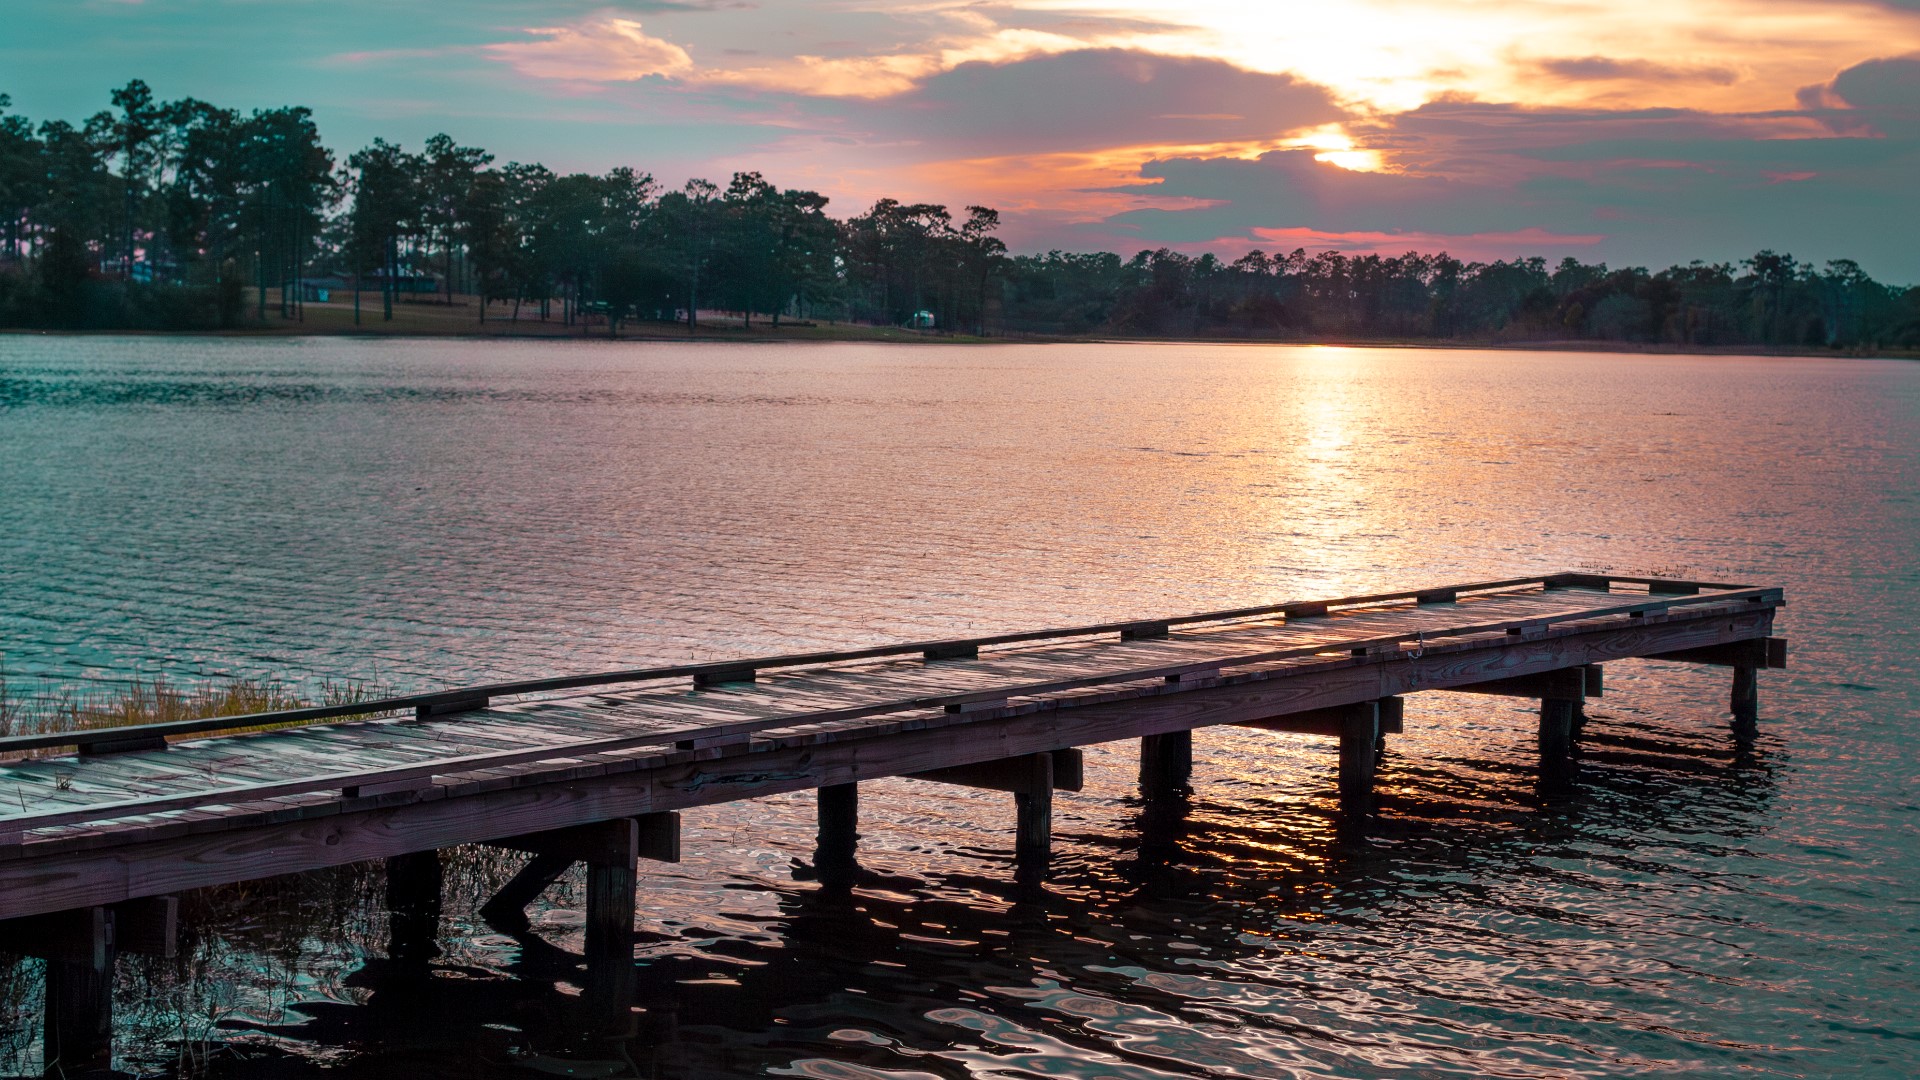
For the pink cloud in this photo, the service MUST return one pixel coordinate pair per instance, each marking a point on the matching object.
(604, 48)
(1484, 245)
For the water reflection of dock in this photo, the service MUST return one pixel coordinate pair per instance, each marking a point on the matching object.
(591, 769)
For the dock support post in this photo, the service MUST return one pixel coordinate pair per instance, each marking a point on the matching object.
(613, 879)
(834, 852)
(413, 906)
(507, 909)
(1166, 764)
(1746, 696)
(1559, 726)
(1393, 718)
(1033, 811)
(1556, 728)
(1359, 731)
(79, 998)
(1593, 679)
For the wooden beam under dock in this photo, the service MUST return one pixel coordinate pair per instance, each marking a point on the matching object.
(141, 823)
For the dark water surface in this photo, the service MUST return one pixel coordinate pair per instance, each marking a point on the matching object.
(419, 513)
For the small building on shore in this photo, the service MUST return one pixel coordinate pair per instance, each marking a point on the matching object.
(321, 288)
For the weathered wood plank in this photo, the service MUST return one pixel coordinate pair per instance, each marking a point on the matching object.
(1010, 774)
(1768, 653)
(467, 696)
(598, 841)
(748, 739)
(50, 879)
(148, 926)
(1330, 721)
(1568, 684)
(717, 736)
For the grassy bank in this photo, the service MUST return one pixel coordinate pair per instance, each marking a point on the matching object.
(242, 944)
(437, 317)
(34, 707)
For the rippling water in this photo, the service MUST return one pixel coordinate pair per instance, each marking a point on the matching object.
(426, 512)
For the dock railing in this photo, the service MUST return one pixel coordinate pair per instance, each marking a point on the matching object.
(1663, 593)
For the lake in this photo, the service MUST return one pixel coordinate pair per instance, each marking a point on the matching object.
(412, 513)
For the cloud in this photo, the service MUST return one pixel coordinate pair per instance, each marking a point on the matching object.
(1885, 92)
(1488, 246)
(657, 7)
(832, 77)
(1640, 186)
(1607, 69)
(1100, 98)
(888, 74)
(1394, 55)
(604, 48)
(1098, 122)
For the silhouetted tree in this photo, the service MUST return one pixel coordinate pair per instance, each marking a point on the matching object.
(201, 190)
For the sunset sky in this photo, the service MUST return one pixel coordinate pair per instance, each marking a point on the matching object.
(1629, 131)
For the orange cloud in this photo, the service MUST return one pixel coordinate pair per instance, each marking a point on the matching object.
(603, 48)
(1461, 245)
(1393, 55)
(821, 76)
(891, 74)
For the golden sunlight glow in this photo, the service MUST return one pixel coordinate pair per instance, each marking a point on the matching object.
(1338, 148)
(887, 75)
(1353, 160)
(1393, 55)
(1379, 56)
(1073, 181)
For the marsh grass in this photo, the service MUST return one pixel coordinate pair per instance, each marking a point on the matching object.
(44, 706)
(244, 947)
(250, 952)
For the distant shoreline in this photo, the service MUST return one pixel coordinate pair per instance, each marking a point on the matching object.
(552, 330)
(459, 321)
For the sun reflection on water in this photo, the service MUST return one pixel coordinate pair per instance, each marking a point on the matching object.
(1693, 906)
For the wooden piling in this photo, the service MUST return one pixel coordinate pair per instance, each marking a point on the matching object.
(1745, 701)
(1556, 729)
(413, 906)
(1033, 811)
(1359, 732)
(613, 881)
(79, 995)
(1166, 764)
(835, 852)
(1393, 719)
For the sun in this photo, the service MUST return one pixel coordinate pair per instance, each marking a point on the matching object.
(1338, 148)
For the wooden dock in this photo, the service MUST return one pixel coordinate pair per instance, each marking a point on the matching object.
(96, 843)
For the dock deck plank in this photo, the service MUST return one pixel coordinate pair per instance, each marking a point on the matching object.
(1046, 689)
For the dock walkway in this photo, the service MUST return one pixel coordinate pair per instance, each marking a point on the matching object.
(592, 768)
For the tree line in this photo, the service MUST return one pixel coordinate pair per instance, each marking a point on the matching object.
(1769, 299)
(185, 215)
(181, 214)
